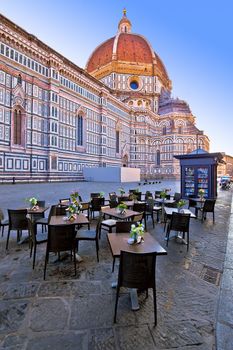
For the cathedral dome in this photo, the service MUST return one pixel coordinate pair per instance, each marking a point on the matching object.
(126, 53)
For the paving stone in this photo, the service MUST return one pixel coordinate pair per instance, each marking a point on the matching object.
(176, 334)
(79, 288)
(65, 341)
(14, 342)
(12, 314)
(18, 290)
(101, 339)
(49, 314)
(92, 311)
(134, 338)
(54, 288)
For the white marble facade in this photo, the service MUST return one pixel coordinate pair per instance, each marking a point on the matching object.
(55, 118)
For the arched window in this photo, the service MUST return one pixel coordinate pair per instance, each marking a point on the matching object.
(117, 141)
(168, 148)
(158, 157)
(164, 130)
(79, 128)
(180, 145)
(19, 79)
(180, 129)
(17, 127)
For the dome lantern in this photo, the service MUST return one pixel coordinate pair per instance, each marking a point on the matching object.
(124, 25)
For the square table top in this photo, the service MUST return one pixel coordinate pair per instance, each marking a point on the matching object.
(59, 220)
(119, 241)
(165, 201)
(198, 199)
(38, 210)
(114, 213)
(169, 211)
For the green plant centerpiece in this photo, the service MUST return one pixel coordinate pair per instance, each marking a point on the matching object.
(201, 193)
(33, 202)
(102, 194)
(163, 194)
(122, 208)
(180, 204)
(75, 206)
(137, 232)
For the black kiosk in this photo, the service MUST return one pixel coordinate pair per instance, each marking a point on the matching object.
(199, 170)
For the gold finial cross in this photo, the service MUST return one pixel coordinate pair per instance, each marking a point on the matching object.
(124, 12)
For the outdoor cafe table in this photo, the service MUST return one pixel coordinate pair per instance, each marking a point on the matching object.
(169, 211)
(119, 241)
(164, 201)
(113, 212)
(199, 201)
(38, 210)
(80, 219)
(131, 203)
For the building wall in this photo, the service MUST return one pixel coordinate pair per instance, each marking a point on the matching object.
(226, 168)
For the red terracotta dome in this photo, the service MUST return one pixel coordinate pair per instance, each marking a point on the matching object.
(130, 48)
(126, 49)
(101, 56)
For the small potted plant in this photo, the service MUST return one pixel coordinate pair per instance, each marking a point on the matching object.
(163, 194)
(102, 194)
(137, 233)
(180, 204)
(33, 202)
(74, 196)
(122, 208)
(201, 193)
(75, 207)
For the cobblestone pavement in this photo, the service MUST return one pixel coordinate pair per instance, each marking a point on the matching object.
(67, 312)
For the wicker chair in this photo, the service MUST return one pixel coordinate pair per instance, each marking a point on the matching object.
(45, 221)
(17, 222)
(179, 222)
(3, 222)
(141, 208)
(96, 204)
(90, 235)
(106, 224)
(150, 209)
(35, 239)
(208, 207)
(36, 217)
(123, 227)
(137, 271)
(60, 239)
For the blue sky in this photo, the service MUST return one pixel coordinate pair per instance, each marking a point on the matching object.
(193, 38)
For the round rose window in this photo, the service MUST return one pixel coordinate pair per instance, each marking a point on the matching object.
(134, 85)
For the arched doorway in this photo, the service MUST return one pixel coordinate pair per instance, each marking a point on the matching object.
(125, 160)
